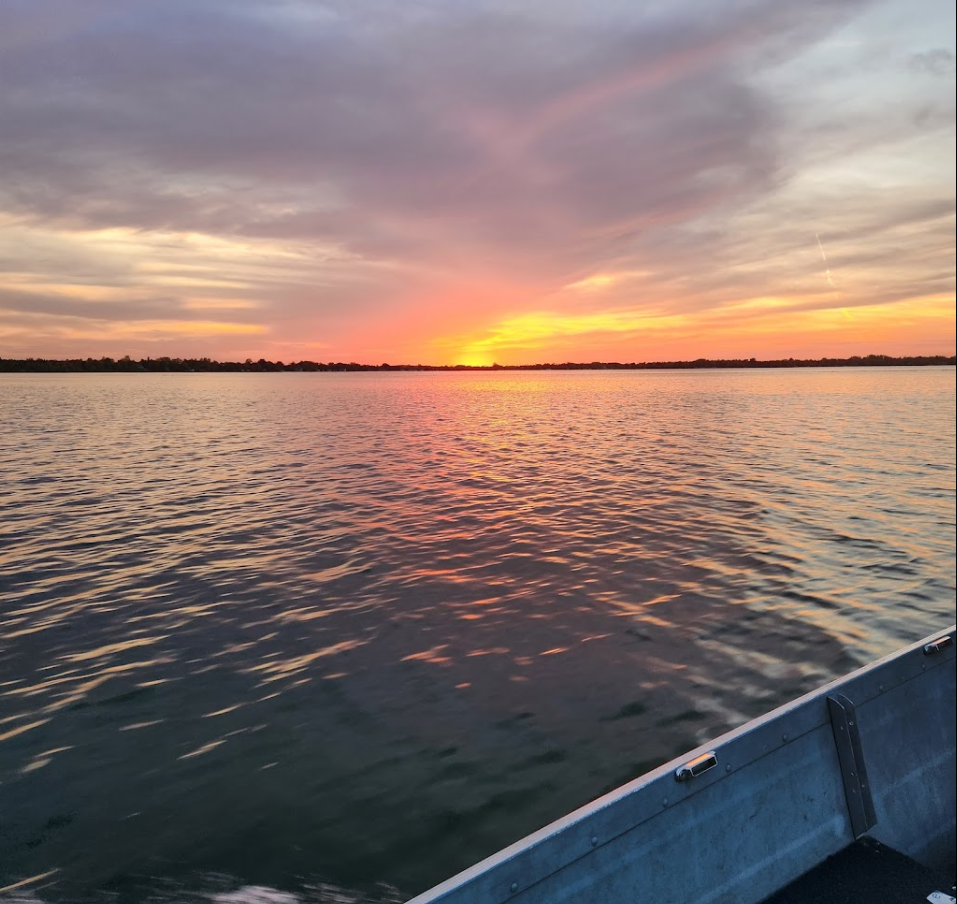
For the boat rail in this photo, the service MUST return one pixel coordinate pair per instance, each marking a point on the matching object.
(739, 818)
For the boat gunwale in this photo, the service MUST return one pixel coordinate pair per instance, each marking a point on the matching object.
(530, 859)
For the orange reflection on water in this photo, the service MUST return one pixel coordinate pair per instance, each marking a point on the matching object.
(13, 732)
(277, 670)
(432, 655)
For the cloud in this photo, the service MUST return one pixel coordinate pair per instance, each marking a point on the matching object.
(210, 116)
(940, 61)
(387, 162)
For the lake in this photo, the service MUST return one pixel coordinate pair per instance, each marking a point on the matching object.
(333, 637)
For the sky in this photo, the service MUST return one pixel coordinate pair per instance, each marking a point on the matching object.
(476, 181)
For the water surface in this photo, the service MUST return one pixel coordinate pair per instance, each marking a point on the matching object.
(333, 637)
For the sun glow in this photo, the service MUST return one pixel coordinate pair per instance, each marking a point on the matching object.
(737, 328)
(475, 358)
(542, 329)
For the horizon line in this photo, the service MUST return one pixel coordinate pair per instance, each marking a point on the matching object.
(204, 364)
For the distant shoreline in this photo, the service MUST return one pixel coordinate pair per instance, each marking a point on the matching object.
(208, 365)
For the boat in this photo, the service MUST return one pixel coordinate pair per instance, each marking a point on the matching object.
(844, 794)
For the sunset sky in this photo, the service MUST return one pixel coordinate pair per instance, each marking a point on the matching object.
(476, 181)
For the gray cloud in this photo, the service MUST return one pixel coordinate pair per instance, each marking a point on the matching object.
(939, 61)
(139, 116)
(58, 305)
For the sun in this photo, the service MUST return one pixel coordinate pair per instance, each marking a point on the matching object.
(472, 358)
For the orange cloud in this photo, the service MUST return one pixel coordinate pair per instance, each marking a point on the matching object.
(737, 329)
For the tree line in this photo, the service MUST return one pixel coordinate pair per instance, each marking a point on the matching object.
(207, 365)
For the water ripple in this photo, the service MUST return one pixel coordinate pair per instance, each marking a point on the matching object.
(334, 630)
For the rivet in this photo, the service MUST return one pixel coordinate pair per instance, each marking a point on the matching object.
(880, 687)
(594, 840)
(784, 737)
(664, 803)
(513, 887)
(727, 768)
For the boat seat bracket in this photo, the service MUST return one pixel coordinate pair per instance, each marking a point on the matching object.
(847, 738)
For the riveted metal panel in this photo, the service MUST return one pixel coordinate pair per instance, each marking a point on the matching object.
(909, 738)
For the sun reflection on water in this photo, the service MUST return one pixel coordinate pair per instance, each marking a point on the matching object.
(391, 622)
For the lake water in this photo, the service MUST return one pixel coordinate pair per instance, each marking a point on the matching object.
(333, 637)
